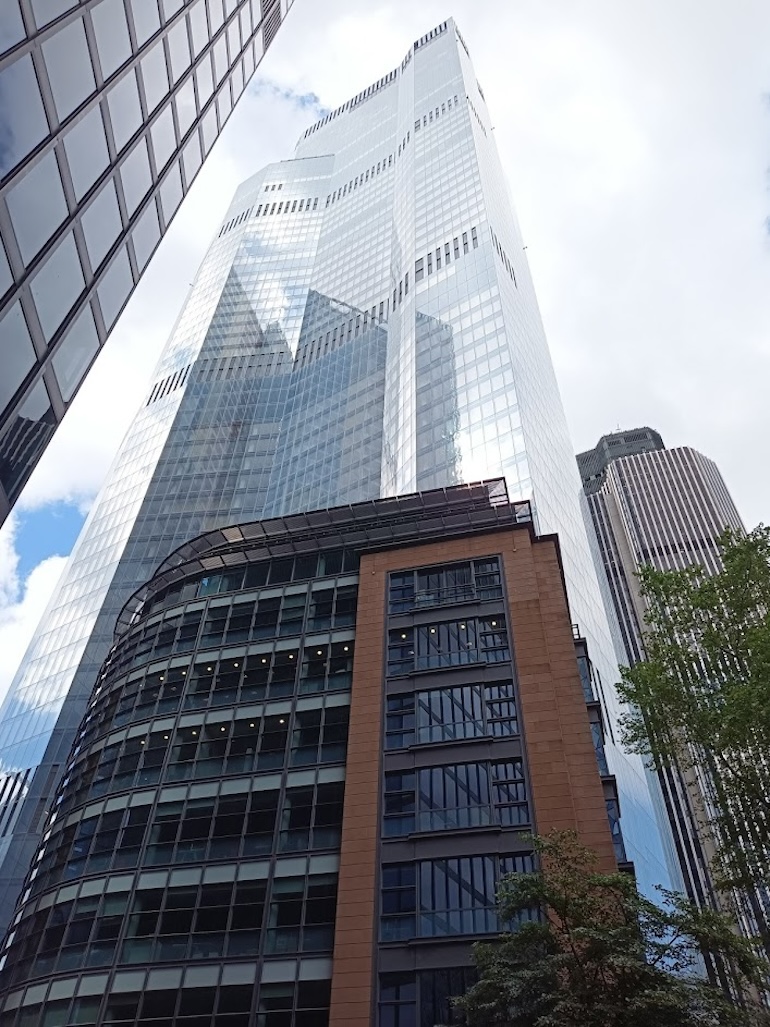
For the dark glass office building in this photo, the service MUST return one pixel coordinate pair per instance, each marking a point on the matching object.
(107, 110)
(315, 746)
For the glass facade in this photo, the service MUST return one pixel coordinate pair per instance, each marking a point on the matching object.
(107, 109)
(363, 325)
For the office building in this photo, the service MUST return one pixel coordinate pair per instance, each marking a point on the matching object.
(665, 508)
(315, 746)
(107, 110)
(363, 325)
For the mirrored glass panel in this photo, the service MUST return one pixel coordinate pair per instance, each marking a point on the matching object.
(11, 25)
(135, 175)
(37, 206)
(163, 138)
(57, 285)
(146, 18)
(199, 26)
(47, 10)
(179, 50)
(74, 354)
(111, 30)
(68, 62)
(146, 235)
(101, 224)
(114, 288)
(125, 109)
(185, 107)
(6, 278)
(22, 444)
(86, 148)
(171, 192)
(191, 158)
(155, 76)
(17, 355)
(22, 118)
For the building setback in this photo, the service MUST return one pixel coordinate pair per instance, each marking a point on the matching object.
(108, 109)
(665, 508)
(314, 747)
(363, 325)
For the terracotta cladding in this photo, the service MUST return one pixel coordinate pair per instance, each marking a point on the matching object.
(565, 783)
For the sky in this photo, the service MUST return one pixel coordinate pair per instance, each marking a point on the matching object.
(636, 140)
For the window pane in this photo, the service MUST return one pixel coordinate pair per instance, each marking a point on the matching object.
(135, 175)
(185, 107)
(111, 30)
(74, 353)
(163, 138)
(47, 10)
(57, 285)
(11, 25)
(179, 50)
(102, 224)
(192, 158)
(146, 234)
(155, 76)
(6, 278)
(146, 18)
(23, 442)
(69, 67)
(86, 148)
(16, 353)
(199, 26)
(37, 206)
(171, 192)
(125, 110)
(115, 288)
(22, 118)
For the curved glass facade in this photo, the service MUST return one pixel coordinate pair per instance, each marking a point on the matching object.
(363, 325)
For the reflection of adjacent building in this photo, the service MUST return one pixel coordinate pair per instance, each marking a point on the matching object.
(356, 330)
(666, 508)
(217, 850)
(107, 111)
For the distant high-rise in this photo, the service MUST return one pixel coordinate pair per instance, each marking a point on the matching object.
(363, 325)
(665, 508)
(107, 110)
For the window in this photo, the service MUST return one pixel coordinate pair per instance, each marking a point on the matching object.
(447, 644)
(474, 239)
(445, 584)
(451, 714)
(438, 258)
(456, 244)
(419, 270)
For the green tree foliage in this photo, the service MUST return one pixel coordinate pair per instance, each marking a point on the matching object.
(702, 699)
(602, 955)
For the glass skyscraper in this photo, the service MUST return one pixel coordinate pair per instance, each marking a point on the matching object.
(363, 325)
(107, 110)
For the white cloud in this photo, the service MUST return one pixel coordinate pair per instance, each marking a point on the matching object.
(21, 602)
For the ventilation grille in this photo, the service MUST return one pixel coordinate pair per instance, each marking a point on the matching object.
(168, 384)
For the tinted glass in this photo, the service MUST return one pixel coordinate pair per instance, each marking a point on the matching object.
(74, 354)
(191, 157)
(11, 25)
(57, 285)
(125, 109)
(171, 192)
(111, 31)
(179, 50)
(16, 353)
(86, 147)
(6, 278)
(47, 10)
(102, 224)
(163, 138)
(135, 174)
(22, 118)
(69, 67)
(37, 206)
(199, 26)
(114, 288)
(146, 234)
(155, 76)
(33, 426)
(185, 107)
(146, 18)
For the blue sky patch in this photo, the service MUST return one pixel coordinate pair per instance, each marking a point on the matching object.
(50, 530)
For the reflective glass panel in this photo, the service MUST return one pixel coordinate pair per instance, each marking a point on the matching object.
(146, 235)
(74, 354)
(199, 26)
(185, 107)
(170, 7)
(6, 278)
(179, 50)
(22, 118)
(192, 157)
(135, 175)
(86, 147)
(20, 446)
(146, 18)
(125, 109)
(57, 285)
(16, 353)
(163, 138)
(37, 206)
(69, 67)
(102, 224)
(155, 75)
(11, 25)
(171, 192)
(111, 30)
(114, 288)
(47, 10)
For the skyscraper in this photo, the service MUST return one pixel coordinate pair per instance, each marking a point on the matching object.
(315, 746)
(363, 325)
(107, 110)
(665, 508)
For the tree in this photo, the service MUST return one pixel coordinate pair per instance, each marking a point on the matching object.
(701, 702)
(601, 955)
